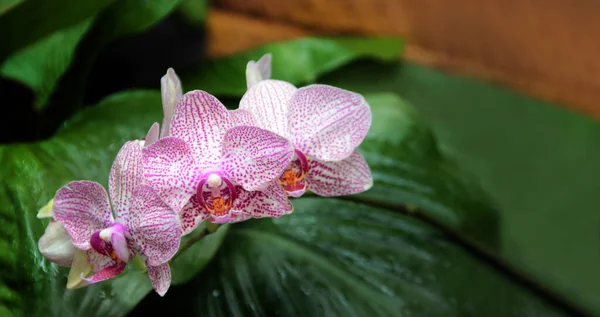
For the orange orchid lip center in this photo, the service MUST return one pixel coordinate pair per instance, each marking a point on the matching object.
(216, 194)
(292, 178)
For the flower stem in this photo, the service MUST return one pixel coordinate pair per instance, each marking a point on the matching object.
(196, 236)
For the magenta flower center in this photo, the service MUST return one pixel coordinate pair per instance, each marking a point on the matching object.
(111, 242)
(293, 176)
(217, 195)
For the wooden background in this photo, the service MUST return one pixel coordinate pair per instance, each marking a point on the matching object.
(546, 48)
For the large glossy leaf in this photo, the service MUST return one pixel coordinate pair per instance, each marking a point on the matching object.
(31, 174)
(538, 160)
(31, 20)
(297, 61)
(411, 173)
(40, 66)
(338, 258)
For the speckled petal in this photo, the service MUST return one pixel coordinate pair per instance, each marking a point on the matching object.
(56, 246)
(192, 215)
(201, 120)
(258, 71)
(153, 227)
(99, 261)
(268, 101)
(241, 117)
(152, 135)
(170, 169)
(106, 273)
(170, 87)
(349, 176)
(125, 175)
(160, 277)
(270, 202)
(82, 208)
(253, 157)
(328, 122)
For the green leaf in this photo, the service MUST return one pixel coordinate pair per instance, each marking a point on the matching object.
(40, 66)
(339, 258)
(298, 61)
(410, 172)
(538, 160)
(31, 20)
(31, 174)
(122, 19)
(132, 16)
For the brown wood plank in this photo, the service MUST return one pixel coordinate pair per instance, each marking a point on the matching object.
(547, 48)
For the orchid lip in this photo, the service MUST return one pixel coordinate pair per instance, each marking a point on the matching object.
(292, 178)
(111, 242)
(216, 193)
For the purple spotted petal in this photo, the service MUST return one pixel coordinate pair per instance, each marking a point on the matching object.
(327, 122)
(349, 176)
(258, 71)
(254, 157)
(126, 173)
(160, 277)
(106, 273)
(153, 226)
(99, 261)
(241, 117)
(152, 135)
(239, 216)
(170, 87)
(170, 169)
(270, 202)
(268, 101)
(201, 120)
(82, 208)
(192, 215)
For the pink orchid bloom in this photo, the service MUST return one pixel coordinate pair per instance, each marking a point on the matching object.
(143, 224)
(324, 123)
(214, 166)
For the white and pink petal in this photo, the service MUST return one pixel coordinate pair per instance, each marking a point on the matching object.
(201, 120)
(125, 175)
(153, 227)
(253, 157)
(192, 215)
(268, 101)
(349, 176)
(161, 277)
(171, 171)
(328, 123)
(82, 208)
(270, 202)
(240, 117)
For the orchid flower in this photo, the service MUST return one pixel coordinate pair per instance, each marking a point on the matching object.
(214, 166)
(324, 123)
(55, 245)
(143, 224)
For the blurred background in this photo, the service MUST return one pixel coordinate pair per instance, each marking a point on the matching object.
(510, 88)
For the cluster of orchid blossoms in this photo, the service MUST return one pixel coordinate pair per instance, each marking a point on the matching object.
(208, 163)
